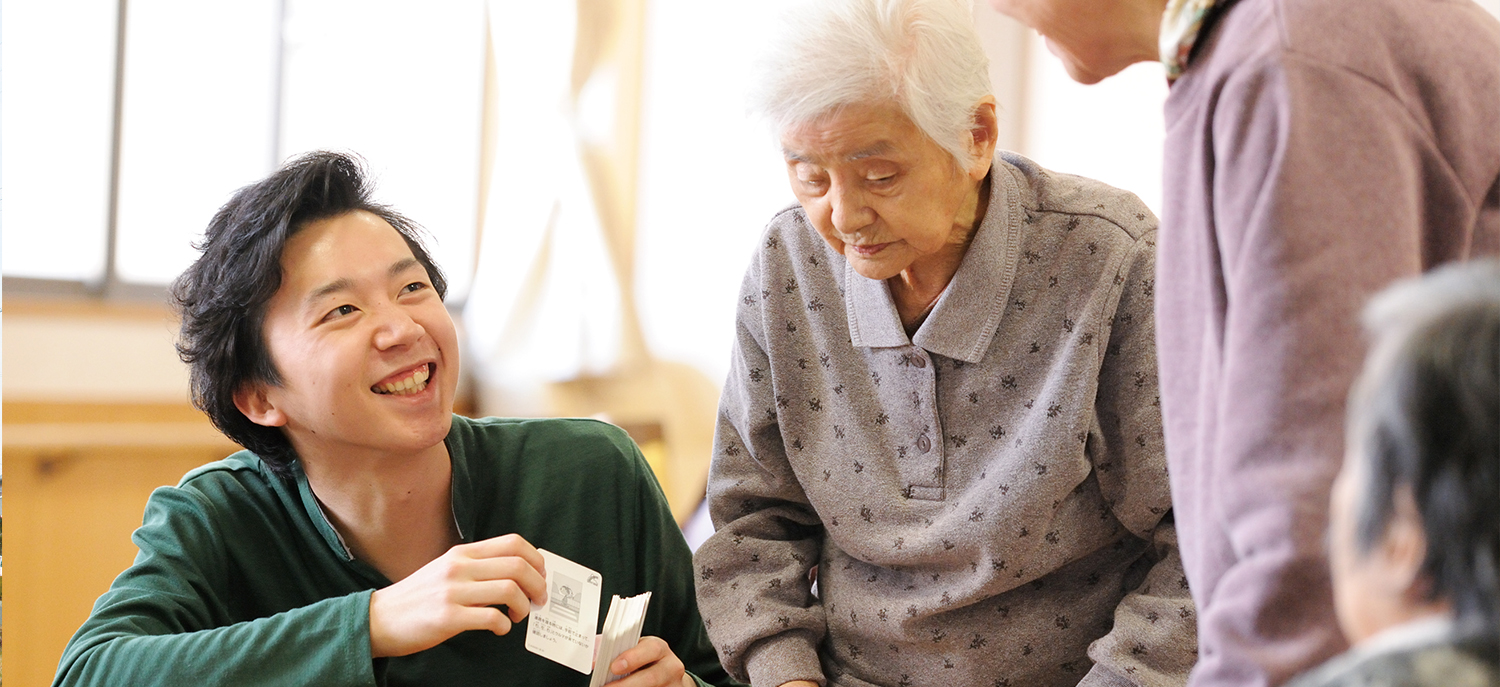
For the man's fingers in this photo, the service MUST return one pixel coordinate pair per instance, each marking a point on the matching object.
(483, 618)
(512, 568)
(507, 545)
(487, 593)
(650, 662)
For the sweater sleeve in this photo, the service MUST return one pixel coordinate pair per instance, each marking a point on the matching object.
(1326, 190)
(1153, 642)
(165, 620)
(754, 572)
(667, 571)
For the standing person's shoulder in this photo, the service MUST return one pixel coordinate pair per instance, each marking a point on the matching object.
(1074, 202)
(1369, 36)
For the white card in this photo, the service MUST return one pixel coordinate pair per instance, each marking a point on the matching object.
(563, 629)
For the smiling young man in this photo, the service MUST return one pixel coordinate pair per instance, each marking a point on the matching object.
(368, 536)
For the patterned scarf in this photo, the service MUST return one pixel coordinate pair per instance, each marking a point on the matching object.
(1180, 26)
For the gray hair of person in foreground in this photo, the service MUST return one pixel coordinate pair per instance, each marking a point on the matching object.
(1425, 414)
(921, 55)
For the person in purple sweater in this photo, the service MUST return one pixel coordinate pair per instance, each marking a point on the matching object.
(1316, 151)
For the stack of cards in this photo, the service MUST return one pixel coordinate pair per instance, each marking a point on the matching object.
(563, 629)
(622, 630)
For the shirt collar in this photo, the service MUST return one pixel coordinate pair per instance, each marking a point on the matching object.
(968, 312)
(1181, 25)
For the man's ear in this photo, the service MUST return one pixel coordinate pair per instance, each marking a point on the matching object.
(983, 133)
(253, 400)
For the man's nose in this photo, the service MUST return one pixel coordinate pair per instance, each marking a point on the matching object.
(396, 328)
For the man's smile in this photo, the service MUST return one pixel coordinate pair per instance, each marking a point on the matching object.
(406, 382)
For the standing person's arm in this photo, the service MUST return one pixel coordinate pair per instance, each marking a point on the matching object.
(1153, 641)
(753, 580)
(1322, 188)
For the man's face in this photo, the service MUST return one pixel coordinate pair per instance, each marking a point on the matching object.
(877, 189)
(367, 353)
(1095, 39)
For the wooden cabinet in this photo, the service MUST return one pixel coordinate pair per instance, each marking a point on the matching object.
(74, 491)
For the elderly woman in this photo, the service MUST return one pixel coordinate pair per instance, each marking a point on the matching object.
(939, 456)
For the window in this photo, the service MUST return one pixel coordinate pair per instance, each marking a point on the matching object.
(122, 138)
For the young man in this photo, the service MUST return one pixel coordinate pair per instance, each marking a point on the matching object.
(1415, 523)
(368, 530)
(1316, 151)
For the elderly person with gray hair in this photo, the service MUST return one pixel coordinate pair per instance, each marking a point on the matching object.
(939, 455)
(1414, 527)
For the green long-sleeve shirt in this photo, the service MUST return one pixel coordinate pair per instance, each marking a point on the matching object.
(241, 580)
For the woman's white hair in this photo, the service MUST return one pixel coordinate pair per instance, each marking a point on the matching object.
(921, 55)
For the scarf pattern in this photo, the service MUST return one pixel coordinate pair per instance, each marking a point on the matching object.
(1180, 25)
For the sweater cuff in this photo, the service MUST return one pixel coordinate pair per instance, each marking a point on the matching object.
(1099, 676)
(779, 659)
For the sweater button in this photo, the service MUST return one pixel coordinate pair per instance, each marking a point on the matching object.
(919, 361)
(924, 444)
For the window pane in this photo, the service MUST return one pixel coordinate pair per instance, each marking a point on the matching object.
(57, 66)
(401, 84)
(198, 123)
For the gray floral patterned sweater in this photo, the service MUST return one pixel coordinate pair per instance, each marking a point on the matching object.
(983, 503)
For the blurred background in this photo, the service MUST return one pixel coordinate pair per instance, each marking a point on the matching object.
(587, 170)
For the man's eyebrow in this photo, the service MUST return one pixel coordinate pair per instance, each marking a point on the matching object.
(794, 156)
(346, 283)
(325, 290)
(404, 265)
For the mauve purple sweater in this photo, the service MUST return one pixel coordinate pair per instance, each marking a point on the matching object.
(1317, 150)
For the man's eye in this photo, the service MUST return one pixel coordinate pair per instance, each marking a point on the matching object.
(414, 286)
(340, 312)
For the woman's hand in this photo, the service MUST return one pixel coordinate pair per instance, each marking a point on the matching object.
(650, 663)
(458, 591)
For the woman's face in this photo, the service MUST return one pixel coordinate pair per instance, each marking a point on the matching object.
(880, 191)
(1095, 39)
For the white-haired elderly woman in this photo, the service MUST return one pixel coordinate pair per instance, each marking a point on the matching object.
(938, 458)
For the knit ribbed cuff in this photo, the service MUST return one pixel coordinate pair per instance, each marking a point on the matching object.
(776, 660)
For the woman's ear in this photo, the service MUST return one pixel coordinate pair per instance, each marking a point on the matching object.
(1404, 547)
(255, 402)
(983, 134)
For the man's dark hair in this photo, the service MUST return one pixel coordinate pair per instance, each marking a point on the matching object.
(1426, 416)
(222, 297)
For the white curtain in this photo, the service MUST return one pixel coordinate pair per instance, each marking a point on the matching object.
(546, 301)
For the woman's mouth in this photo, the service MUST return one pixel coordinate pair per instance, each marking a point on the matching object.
(412, 383)
(867, 250)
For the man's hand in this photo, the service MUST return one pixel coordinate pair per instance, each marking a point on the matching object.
(458, 591)
(650, 663)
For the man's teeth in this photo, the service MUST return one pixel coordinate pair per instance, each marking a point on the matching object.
(411, 385)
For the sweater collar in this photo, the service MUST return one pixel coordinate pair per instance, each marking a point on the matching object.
(968, 312)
